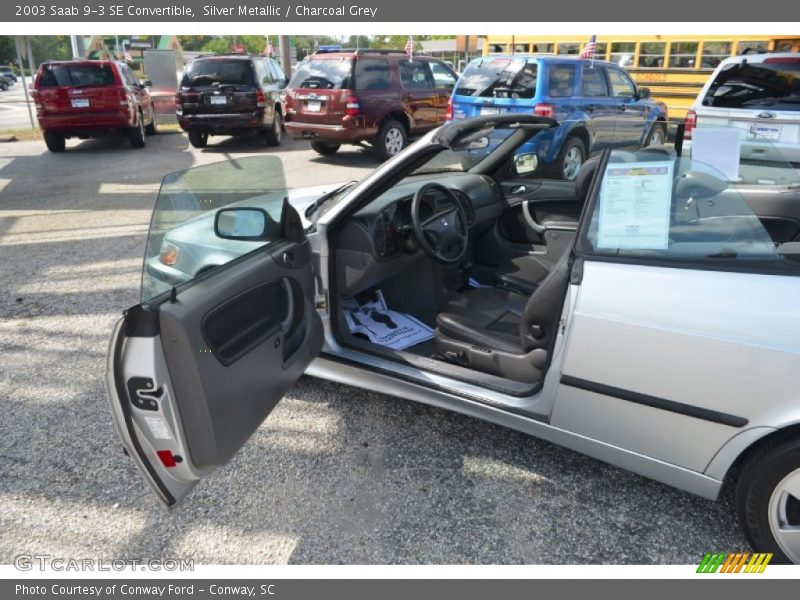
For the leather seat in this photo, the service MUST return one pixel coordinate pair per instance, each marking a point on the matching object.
(501, 332)
(524, 273)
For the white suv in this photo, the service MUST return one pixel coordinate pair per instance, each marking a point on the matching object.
(760, 94)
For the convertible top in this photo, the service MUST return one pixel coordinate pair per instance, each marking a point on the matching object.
(452, 131)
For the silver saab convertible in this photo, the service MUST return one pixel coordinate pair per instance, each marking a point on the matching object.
(646, 314)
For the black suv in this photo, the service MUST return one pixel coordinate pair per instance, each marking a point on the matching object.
(231, 95)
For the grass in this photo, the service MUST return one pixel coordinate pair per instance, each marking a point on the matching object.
(26, 134)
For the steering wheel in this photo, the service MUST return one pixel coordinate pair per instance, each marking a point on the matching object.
(444, 234)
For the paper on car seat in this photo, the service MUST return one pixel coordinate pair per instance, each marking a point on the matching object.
(635, 206)
(719, 148)
(382, 326)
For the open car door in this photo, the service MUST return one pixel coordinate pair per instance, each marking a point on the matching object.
(226, 324)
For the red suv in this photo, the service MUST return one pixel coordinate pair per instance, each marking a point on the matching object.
(91, 98)
(352, 96)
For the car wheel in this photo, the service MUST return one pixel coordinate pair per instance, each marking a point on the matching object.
(768, 500)
(658, 135)
(273, 134)
(55, 141)
(136, 134)
(571, 159)
(391, 140)
(5, 86)
(152, 128)
(198, 139)
(325, 148)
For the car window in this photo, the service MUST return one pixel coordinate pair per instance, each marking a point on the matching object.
(264, 74)
(499, 77)
(372, 74)
(561, 80)
(653, 206)
(129, 77)
(443, 76)
(215, 70)
(323, 74)
(182, 244)
(280, 76)
(593, 82)
(415, 74)
(621, 84)
(773, 83)
(76, 75)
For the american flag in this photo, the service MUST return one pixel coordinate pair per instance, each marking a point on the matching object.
(410, 48)
(126, 54)
(590, 48)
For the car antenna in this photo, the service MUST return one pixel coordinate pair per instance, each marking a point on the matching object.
(173, 295)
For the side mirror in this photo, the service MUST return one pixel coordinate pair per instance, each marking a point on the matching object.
(643, 93)
(525, 164)
(245, 224)
(146, 83)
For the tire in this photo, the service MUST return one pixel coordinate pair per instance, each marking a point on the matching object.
(657, 135)
(763, 503)
(198, 139)
(325, 148)
(136, 134)
(5, 86)
(392, 139)
(273, 135)
(55, 141)
(570, 159)
(152, 128)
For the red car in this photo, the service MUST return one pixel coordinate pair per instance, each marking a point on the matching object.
(91, 98)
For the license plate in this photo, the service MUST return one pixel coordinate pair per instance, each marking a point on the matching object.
(765, 132)
(314, 106)
(489, 110)
(218, 99)
(80, 103)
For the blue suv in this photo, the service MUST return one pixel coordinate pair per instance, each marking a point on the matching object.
(596, 103)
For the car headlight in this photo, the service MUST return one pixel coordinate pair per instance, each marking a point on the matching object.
(168, 255)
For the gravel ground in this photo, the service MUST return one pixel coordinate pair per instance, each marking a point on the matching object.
(335, 475)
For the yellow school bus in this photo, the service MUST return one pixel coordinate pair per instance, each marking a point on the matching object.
(674, 67)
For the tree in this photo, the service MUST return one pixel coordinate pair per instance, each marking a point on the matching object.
(193, 43)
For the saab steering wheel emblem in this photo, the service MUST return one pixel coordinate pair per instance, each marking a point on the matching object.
(444, 221)
(766, 115)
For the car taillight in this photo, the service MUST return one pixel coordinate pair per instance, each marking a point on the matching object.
(353, 108)
(124, 100)
(544, 109)
(448, 115)
(261, 98)
(178, 100)
(690, 123)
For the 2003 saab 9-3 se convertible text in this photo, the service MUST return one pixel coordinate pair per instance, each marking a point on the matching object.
(645, 314)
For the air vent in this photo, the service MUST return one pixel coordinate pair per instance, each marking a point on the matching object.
(379, 236)
(467, 206)
(491, 183)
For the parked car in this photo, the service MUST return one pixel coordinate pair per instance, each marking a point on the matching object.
(8, 72)
(597, 103)
(759, 94)
(380, 97)
(91, 98)
(231, 95)
(662, 334)
(5, 82)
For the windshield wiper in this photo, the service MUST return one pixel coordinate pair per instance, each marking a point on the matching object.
(325, 197)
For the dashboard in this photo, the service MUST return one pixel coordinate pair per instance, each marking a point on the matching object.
(378, 241)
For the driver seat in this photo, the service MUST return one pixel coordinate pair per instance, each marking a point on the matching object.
(501, 332)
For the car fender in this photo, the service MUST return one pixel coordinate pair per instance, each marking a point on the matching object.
(394, 109)
(566, 129)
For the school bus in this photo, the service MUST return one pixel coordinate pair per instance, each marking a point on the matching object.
(674, 67)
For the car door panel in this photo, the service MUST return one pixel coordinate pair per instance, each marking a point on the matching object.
(534, 206)
(779, 211)
(210, 366)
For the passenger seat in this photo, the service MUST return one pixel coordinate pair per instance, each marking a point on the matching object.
(523, 274)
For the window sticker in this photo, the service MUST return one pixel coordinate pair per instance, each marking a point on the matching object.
(635, 206)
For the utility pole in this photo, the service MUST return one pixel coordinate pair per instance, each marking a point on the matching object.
(286, 60)
(18, 43)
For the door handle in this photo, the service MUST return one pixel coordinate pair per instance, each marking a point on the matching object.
(591, 108)
(520, 189)
(531, 222)
(623, 108)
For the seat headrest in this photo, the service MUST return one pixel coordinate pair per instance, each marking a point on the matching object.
(584, 177)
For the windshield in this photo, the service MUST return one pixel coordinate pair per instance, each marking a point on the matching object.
(182, 244)
(76, 75)
(323, 74)
(499, 77)
(215, 70)
(774, 82)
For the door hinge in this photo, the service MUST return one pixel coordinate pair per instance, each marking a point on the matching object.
(321, 303)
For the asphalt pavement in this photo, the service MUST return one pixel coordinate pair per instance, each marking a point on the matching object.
(335, 475)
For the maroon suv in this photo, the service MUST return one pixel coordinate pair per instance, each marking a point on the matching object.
(91, 98)
(354, 96)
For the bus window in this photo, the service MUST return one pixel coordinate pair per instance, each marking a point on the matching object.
(752, 47)
(651, 54)
(683, 55)
(713, 53)
(600, 53)
(785, 46)
(540, 48)
(497, 48)
(622, 53)
(521, 48)
(569, 48)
